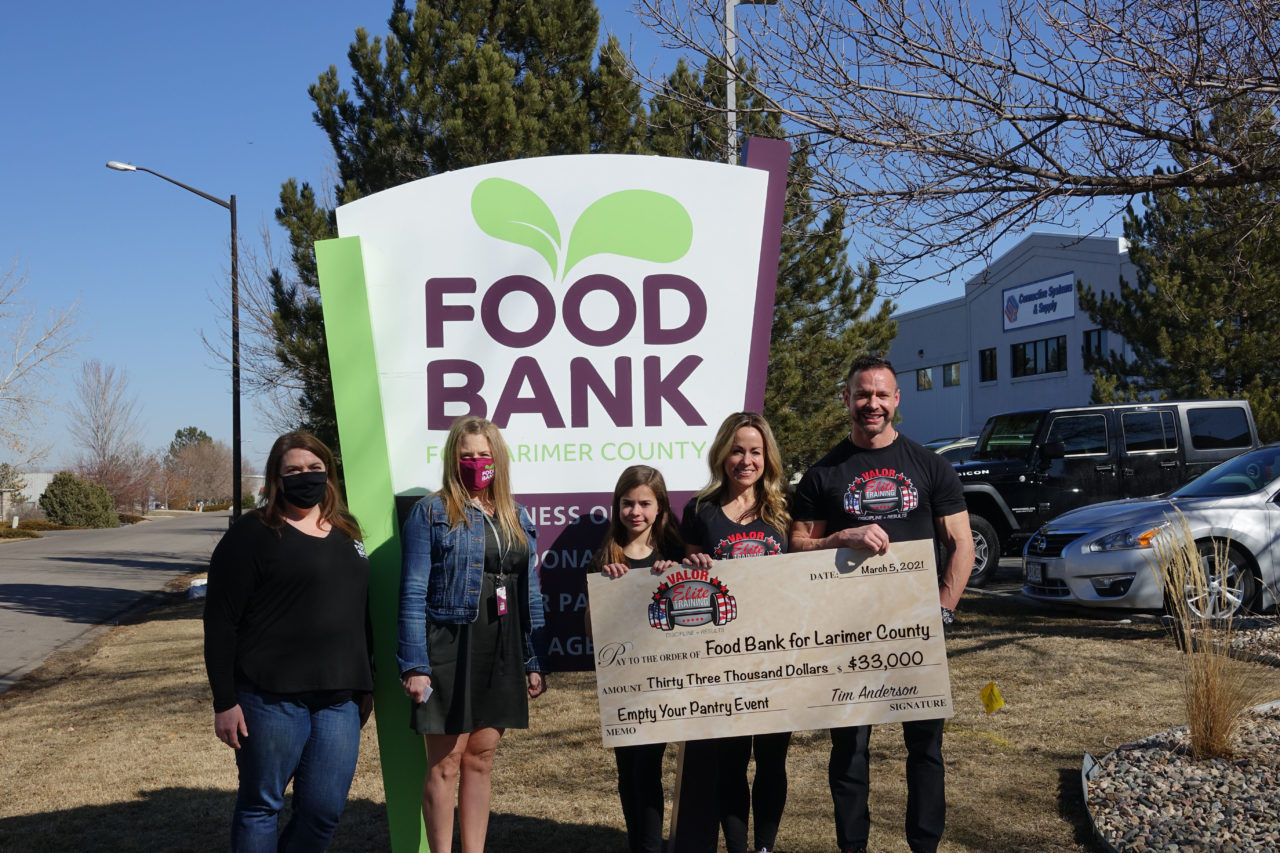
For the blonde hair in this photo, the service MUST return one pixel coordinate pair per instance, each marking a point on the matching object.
(455, 495)
(771, 500)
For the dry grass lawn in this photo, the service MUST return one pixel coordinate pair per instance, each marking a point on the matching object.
(112, 748)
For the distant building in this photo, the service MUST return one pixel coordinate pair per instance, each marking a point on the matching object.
(1015, 340)
(34, 484)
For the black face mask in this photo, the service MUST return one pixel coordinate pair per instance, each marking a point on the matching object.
(304, 490)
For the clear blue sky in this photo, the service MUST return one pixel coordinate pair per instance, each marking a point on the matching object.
(213, 96)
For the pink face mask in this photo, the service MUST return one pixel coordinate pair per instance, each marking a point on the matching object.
(475, 473)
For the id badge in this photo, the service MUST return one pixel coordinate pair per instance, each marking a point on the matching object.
(502, 600)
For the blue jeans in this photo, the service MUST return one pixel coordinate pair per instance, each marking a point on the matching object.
(287, 740)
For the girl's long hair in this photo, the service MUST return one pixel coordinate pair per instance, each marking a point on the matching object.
(455, 495)
(333, 509)
(664, 534)
(771, 498)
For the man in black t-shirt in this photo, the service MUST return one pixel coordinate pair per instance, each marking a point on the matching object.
(875, 487)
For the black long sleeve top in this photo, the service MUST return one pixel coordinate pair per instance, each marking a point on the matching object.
(286, 612)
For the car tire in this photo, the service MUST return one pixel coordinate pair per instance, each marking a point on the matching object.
(986, 551)
(1233, 588)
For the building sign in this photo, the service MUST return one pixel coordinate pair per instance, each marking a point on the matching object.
(602, 310)
(1039, 302)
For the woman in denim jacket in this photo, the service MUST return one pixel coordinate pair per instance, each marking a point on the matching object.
(472, 638)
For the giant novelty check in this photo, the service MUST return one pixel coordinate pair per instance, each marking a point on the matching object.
(812, 640)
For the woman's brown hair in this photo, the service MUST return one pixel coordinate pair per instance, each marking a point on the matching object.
(333, 509)
(664, 534)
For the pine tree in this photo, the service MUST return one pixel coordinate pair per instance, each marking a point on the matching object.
(824, 316)
(453, 84)
(1200, 318)
(687, 117)
(186, 437)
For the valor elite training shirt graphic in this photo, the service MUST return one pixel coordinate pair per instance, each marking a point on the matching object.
(707, 527)
(902, 488)
(883, 493)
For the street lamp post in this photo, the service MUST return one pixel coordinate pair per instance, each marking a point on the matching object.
(235, 324)
(731, 71)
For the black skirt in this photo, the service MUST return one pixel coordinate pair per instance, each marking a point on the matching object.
(477, 668)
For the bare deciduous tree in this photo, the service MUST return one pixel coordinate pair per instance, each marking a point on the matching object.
(942, 128)
(105, 426)
(29, 352)
(199, 472)
(275, 388)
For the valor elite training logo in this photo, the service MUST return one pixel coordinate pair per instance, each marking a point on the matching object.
(749, 543)
(691, 597)
(881, 493)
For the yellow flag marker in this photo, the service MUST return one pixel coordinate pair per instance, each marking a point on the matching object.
(991, 698)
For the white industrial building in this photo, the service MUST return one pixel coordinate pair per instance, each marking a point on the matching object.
(1015, 340)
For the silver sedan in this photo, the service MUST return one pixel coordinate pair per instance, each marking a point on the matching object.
(1102, 555)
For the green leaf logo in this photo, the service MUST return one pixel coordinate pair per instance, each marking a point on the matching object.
(514, 213)
(641, 224)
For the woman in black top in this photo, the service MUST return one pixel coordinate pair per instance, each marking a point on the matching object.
(287, 651)
(642, 535)
(741, 512)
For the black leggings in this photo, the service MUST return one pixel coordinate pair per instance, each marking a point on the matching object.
(715, 771)
(640, 790)
(766, 796)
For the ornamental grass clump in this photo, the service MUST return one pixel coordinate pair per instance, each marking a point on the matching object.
(1216, 688)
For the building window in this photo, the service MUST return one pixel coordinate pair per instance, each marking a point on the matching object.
(924, 379)
(951, 374)
(987, 365)
(1048, 355)
(1095, 343)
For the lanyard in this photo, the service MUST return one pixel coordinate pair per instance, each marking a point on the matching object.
(503, 547)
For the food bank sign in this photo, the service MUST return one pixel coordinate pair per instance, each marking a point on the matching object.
(602, 310)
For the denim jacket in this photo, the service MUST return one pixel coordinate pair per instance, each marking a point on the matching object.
(441, 576)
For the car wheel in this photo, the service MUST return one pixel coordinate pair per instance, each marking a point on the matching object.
(1231, 587)
(986, 551)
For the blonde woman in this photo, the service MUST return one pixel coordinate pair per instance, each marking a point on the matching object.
(741, 512)
(472, 638)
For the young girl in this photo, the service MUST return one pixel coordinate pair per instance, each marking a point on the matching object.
(642, 535)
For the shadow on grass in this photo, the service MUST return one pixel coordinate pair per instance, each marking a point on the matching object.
(520, 832)
(174, 820)
(196, 820)
(1008, 621)
(1072, 809)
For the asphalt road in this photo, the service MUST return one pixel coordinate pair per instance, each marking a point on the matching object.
(56, 591)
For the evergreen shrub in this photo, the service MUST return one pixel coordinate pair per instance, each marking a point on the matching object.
(75, 502)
